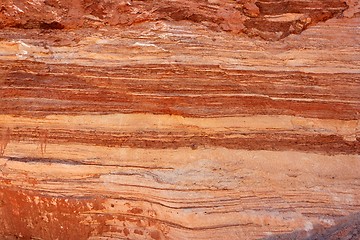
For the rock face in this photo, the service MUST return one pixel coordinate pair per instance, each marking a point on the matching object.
(264, 18)
(179, 119)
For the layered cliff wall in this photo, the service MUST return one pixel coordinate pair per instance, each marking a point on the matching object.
(179, 119)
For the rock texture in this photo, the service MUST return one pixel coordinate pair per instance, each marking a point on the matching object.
(179, 119)
(265, 18)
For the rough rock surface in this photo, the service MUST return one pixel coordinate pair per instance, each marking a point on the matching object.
(265, 18)
(179, 119)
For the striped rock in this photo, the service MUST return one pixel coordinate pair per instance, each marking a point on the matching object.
(179, 127)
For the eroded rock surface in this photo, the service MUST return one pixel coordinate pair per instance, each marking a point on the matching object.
(270, 20)
(174, 120)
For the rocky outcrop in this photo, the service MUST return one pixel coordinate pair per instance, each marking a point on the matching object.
(267, 19)
(167, 122)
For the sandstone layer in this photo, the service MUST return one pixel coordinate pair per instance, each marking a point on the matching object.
(179, 119)
(265, 18)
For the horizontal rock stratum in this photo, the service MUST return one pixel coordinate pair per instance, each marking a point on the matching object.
(179, 119)
(265, 18)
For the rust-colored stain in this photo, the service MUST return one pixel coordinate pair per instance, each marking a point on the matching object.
(31, 215)
(136, 211)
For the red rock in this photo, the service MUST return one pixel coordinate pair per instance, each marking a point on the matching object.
(251, 10)
(250, 17)
(179, 119)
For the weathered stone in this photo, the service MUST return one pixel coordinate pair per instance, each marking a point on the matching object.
(179, 119)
